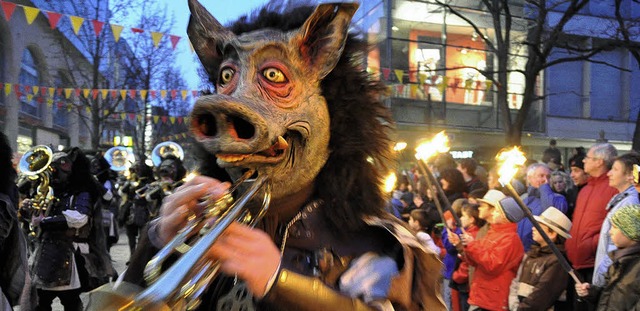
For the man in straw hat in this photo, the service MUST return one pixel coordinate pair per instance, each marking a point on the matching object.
(541, 279)
(622, 289)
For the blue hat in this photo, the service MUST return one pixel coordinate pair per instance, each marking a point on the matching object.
(510, 209)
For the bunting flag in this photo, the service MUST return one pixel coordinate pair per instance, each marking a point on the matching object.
(67, 93)
(155, 119)
(174, 41)
(488, 84)
(385, 73)
(399, 74)
(136, 30)
(76, 22)
(442, 85)
(143, 94)
(184, 94)
(50, 102)
(413, 88)
(8, 8)
(152, 93)
(468, 84)
(123, 94)
(30, 13)
(35, 90)
(104, 93)
(7, 89)
(174, 94)
(422, 77)
(156, 36)
(94, 94)
(116, 30)
(85, 93)
(97, 27)
(163, 94)
(51, 92)
(114, 93)
(132, 94)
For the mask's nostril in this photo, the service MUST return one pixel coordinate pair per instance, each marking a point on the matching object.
(206, 125)
(242, 128)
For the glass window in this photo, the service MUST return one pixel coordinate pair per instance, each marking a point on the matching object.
(60, 113)
(29, 77)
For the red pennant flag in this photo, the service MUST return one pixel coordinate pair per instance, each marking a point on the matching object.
(77, 92)
(8, 8)
(114, 94)
(179, 120)
(59, 92)
(60, 104)
(132, 94)
(194, 93)
(174, 41)
(385, 73)
(43, 91)
(152, 93)
(54, 18)
(132, 116)
(137, 30)
(97, 26)
(16, 88)
(94, 93)
(27, 88)
(164, 119)
(174, 93)
(40, 100)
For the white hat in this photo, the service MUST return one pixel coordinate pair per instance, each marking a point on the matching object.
(493, 197)
(556, 221)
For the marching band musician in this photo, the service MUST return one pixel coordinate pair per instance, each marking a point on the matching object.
(109, 203)
(134, 212)
(170, 173)
(71, 256)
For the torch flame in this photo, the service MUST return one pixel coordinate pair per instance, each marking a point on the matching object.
(439, 144)
(399, 146)
(509, 161)
(390, 182)
(191, 175)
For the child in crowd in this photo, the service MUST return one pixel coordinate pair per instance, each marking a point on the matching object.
(622, 289)
(541, 279)
(496, 258)
(471, 222)
(420, 221)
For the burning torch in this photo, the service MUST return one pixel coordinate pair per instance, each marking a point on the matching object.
(509, 161)
(439, 144)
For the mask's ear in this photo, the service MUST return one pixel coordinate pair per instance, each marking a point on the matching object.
(207, 35)
(322, 37)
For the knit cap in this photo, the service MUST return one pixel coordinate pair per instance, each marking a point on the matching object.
(627, 219)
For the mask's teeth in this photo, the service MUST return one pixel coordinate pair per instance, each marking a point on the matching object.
(230, 158)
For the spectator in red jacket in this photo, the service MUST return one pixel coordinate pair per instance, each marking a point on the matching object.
(589, 214)
(496, 258)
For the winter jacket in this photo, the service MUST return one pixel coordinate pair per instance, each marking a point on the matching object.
(460, 275)
(605, 245)
(587, 221)
(622, 289)
(538, 200)
(541, 280)
(496, 258)
(449, 259)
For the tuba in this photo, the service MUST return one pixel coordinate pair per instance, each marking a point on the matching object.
(181, 285)
(35, 164)
(165, 149)
(120, 158)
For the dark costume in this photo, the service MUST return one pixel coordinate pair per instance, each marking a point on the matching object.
(309, 120)
(622, 289)
(71, 254)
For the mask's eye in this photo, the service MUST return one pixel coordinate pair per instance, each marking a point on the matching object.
(274, 75)
(226, 75)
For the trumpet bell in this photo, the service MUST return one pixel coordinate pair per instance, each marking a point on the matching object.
(120, 298)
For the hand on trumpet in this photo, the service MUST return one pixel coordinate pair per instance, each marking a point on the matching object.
(241, 250)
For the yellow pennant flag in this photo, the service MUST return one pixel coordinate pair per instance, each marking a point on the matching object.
(488, 85)
(123, 116)
(67, 93)
(123, 94)
(139, 117)
(30, 13)
(422, 77)
(69, 107)
(105, 113)
(76, 22)
(35, 89)
(443, 84)
(104, 93)
(413, 88)
(163, 93)
(399, 73)
(7, 89)
(143, 94)
(172, 119)
(184, 94)
(156, 36)
(52, 91)
(155, 119)
(117, 30)
(85, 93)
(49, 102)
(87, 109)
(29, 97)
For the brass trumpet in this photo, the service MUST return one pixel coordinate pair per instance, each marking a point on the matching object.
(35, 164)
(181, 286)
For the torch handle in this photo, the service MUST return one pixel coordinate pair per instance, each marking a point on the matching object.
(447, 205)
(426, 172)
(561, 259)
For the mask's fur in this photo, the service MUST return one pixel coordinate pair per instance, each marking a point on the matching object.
(348, 183)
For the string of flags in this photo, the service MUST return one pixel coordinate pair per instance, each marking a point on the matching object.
(424, 80)
(31, 13)
(174, 137)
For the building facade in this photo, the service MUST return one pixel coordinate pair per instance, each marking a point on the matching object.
(431, 59)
